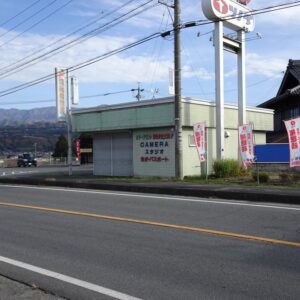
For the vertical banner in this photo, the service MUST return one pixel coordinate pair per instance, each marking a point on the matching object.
(77, 147)
(293, 130)
(246, 144)
(61, 93)
(200, 139)
(171, 82)
(74, 90)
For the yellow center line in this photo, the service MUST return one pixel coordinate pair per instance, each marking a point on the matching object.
(153, 223)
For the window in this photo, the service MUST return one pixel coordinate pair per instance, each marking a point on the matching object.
(191, 141)
(294, 112)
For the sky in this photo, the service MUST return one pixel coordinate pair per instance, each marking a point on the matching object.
(31, 28)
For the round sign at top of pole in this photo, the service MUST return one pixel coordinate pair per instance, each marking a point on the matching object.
(244, 2)
(235, 14)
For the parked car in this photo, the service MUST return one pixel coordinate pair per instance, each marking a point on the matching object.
(26, 160)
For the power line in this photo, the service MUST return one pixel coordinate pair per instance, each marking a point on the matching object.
(254, 12)
(102, 16)
(77, 41)
(37, 23)
(82, 97)
(124, 48)
(18, 14)
(80, 66)
(28, 18)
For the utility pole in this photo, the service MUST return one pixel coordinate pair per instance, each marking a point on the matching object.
(177, 100)
(139, 92)
(69, 127)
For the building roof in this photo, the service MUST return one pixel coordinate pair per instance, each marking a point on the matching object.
(165, 100)
(290, 85)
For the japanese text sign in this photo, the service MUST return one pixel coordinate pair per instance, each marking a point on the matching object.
(293, 130)
(77, 147)
(246, 144)
(200, 139)
(61, 93)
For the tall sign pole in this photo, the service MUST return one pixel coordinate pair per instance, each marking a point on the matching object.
(178, 109)
(235, 15)
(242, 78)
(219, 74)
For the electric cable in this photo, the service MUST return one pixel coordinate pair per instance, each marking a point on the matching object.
(74, 42)
(37, 23)
(28, 18)
(102, 16)
(21, 12)
(79, 66)
(129, 46)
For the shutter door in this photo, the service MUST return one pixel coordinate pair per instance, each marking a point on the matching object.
(122, 154)
(102, 155)
(113, 154)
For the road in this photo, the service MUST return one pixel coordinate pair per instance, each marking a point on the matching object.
(44, 169)
(83, 244)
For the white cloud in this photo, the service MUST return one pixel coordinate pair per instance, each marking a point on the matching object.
(118, 68)
(267, 65)
(189, 72)
(282, 18)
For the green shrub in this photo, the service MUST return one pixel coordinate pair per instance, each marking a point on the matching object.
(263, 177)
(226, 168)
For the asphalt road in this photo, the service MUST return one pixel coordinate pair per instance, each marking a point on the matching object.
(44, 169)
(98, 244)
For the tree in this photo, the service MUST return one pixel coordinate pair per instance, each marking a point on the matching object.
(61, 147)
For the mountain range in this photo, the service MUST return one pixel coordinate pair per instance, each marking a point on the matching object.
(24, 130)
(14, 116)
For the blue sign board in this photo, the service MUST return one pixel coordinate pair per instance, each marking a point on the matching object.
(272, 153)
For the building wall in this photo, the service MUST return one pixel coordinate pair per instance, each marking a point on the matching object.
(155, 115)
(191, 163)
(194, 112)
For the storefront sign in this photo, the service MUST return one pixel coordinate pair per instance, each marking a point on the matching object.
(246, 144)
(293, 130)
(61, 93)
(200, 140)
(154, 152)
(154, 147)
(235, 15)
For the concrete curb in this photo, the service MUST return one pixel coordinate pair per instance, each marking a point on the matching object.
(284, 196)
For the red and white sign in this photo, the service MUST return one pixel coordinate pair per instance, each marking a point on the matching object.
(246, 144)
(293, 130)
(235, 14)
(200, 139)
(244, 2)
(61, 93)
(77, 147)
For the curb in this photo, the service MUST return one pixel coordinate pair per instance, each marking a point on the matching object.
(223, 192)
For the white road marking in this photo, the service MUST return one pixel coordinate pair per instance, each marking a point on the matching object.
(151, 196)
(84, 284)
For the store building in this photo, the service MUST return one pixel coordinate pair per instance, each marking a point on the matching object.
(137, 138)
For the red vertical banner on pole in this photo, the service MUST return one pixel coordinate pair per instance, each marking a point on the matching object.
(77, 146)
(246, 144)
(293, 130)
(200, 139)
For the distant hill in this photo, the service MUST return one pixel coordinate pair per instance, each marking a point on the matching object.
(17, 116)
(21, 130)
(25, 137)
